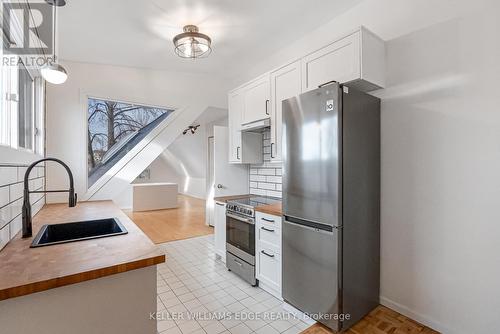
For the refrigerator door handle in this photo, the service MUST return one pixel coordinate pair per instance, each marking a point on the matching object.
(311, 224)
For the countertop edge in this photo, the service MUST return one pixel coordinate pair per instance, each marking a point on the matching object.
(26, 289)
(271, 209)
(226, 199)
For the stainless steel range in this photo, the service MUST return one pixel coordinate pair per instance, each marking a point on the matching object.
(240, 235)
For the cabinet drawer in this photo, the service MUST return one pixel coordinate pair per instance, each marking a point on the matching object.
(269, 267)
(269, 220)
(270, 235)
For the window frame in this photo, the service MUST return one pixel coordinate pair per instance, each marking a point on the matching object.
(32, 110)
(84, 100)
(10, 104)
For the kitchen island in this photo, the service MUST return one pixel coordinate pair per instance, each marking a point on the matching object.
(105, 285)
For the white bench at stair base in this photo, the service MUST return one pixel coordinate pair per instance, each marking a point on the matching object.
(154, 196)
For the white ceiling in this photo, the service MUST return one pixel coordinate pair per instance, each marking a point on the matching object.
(139, 33)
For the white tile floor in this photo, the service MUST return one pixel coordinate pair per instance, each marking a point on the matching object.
(197, 295)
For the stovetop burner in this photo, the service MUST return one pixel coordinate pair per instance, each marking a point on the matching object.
(246, 206)
(257, 201)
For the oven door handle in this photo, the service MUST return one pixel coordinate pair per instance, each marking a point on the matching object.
(242, 219)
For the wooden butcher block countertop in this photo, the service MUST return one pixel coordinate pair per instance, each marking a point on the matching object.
(25, 270)
(225, 199)
(271, 209)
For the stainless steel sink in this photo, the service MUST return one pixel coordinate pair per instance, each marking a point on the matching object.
(54, 234)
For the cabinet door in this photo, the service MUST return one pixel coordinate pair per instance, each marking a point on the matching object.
(339, 61)
(235, 104)
(285, 83)
(220, 229)
(257, 100)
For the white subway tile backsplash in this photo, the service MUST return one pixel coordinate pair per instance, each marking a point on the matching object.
(6, 214)
(271, 193)
(37, 206)
(8, 175)
(273, 179)
(21, 171)
(257, 191)
(267, 171)
(41, 171)
(4, 196)
(4, 236)
(265, 178)
(11, 193)
(266, 186)
(16, 191)
(257, 178)
(15, 226)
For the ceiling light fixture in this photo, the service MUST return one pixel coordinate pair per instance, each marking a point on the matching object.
(192, 44)
(52, 71)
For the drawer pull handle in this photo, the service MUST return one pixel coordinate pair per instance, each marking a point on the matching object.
(268, 220)
(265, 253)
(238, 263)
(219, 204)
(267, 229)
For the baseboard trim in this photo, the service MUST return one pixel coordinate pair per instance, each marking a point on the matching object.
(424, 320)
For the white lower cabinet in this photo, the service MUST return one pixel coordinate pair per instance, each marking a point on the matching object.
(268, 253)
(220, 229)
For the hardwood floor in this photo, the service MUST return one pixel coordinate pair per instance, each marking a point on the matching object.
(186, 221)
(382, 320)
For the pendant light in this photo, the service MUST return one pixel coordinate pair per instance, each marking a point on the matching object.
(52, 71)
(192, 44)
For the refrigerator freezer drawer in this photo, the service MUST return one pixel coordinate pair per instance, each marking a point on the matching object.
(311, 270)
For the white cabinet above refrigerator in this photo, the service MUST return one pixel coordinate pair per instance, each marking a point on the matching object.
(356, 60)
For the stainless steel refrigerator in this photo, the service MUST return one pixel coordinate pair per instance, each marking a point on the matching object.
(331, 204)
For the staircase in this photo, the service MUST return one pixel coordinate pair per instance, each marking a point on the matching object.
(119, 177)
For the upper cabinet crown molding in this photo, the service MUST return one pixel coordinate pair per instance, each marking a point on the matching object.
(356, 60)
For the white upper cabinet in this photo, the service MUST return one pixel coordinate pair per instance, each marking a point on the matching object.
(257, 98)
(285, 83)
(356, 60)
(244, 147)
(235, 104)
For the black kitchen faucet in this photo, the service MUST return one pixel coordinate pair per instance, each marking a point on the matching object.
(27, 230)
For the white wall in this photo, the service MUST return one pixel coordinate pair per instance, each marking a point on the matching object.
(185, 161)
(66, 106)
(440, 156)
